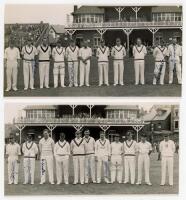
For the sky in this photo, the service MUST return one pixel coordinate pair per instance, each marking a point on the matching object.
(13, 110)
(53, 14)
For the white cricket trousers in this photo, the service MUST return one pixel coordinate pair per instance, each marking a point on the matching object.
(62, 166)
(59, 69)
(102, 161)
(157, 71)
(173, 65)
(130, 166)
(139, 67)
(29, 169)
(143, 160)
(11, 74)
(28, 74)
(118, 71)
(167, 162)
(46, 163)
(90, 167)
(79, 168)
(103, 72)
(116, 168)
(13, 169)
(84, 73)
(44, 74)
(73, 73)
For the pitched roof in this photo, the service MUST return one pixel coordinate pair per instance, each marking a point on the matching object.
(153, 115)
(89, 10)
(40, 107)
(122, 107)
(59, 29)
(166, 9)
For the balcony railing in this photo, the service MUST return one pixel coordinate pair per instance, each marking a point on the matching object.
(124, 24)
(71, 121)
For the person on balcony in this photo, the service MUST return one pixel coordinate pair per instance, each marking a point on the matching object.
(46, 149)
(174, 53)
(85, 54)
(102, 54)
(139, 53)
(29, 53)
(58, 55)
(118, 53)
(77, 146)
(44, 53)
(72, 54)
(160, 53)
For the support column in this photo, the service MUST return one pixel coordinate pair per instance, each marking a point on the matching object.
(153, 31)
(20, 127)
(73, 107)
(101, 31)
(90, 108)
(136, 9)
(51, 127)
(128, 32)
(119, 10)
(104, 127)
(70, 32)
(137, 128)
(78, 127)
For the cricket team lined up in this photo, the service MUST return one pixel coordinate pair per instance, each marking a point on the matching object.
(89, 157)
(78, 61)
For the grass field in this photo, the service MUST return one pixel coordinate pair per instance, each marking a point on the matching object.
(92, 189)
(129, 89)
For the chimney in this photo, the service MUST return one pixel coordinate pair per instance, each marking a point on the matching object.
(75, 8)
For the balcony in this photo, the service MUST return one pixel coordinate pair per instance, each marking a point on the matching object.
(84, 121)
(115, 25)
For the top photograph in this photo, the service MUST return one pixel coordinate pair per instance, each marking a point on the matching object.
(92, 51)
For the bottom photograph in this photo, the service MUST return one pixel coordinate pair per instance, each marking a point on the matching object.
(91, 149)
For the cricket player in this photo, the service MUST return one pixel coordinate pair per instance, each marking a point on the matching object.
(118, 53)
(167, 149)
(144, 149)
(116, 160)
(89, 157)
(46, 148)
(11, 61)
(28, 53)
(72, 54)
(102, 54)
(85, 54)
(139, 53)
(102, 153)
(44, 53)
(175, 53)
(160, 53)
(78, 152)
(62, 153)
(58, 55)
(13, 152)
(30, 150)
(130, 148)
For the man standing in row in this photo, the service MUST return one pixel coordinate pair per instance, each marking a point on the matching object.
(30, 150)
(46, 148)
(44, 53)
(85, 54)
(29, 53)
(12, 62)
(62, 153)
(72, 54)
(103, 63)
(58, 55)
(118, 53)
(139, 53)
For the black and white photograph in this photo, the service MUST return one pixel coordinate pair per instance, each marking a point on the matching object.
(99, 51)
(91, 149)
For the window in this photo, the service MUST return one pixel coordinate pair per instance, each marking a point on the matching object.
(167, 17)
(176, 125)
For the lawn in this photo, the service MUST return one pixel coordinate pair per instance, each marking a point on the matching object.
(93, 189)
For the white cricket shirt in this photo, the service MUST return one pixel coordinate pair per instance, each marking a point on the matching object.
(85, 52)
(116, 148)
(58, 54)
(13, 150)
(62, 148)
(89, 145)
(12, 54)
(102, 148)
(44, 53)
(144, 148)
(29, 53)
(103, 54)
(78, 146)
(130, 148)
(46, 147)
(167, 148)
(174, 52)
(118, 52)
(72, 53)
(29, 149)
(139, 52)
(159, 53)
